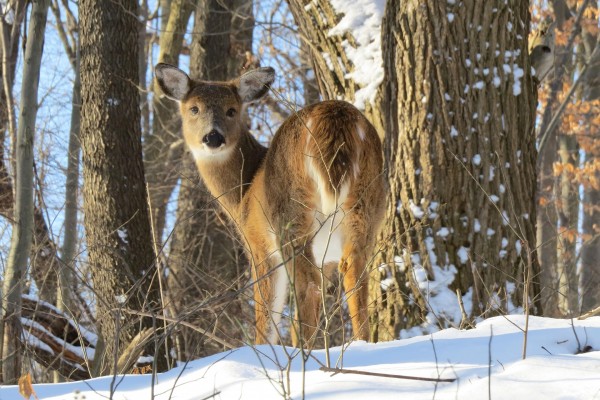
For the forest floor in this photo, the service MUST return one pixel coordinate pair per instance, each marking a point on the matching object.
(563, 362)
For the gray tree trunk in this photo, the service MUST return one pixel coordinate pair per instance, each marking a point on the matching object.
(65, 295)
(568, 213)
(23, 213)
(590, 252)
(117, 224)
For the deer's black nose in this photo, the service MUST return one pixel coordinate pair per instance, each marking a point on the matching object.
(213, 139)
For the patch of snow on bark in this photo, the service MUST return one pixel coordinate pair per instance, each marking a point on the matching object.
(362, 18)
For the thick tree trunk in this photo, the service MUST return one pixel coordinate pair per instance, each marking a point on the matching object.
(117, 224)
(461, 158)
(22, 235)
(330, 61)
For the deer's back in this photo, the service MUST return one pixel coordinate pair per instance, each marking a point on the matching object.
(322, 161)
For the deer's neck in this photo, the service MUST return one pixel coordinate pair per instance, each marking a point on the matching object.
(229, 179)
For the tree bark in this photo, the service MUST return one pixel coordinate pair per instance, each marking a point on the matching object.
(117, 224)
(461, 158)
(9, 49)
(65, 297)
(590, 252)
(568, 207)
(24, 221)
(547, 223)
(330, 62)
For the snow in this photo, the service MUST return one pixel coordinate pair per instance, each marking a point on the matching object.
(453, 131)
(443, 232)
(32, 340)
(416, 210)
(485, 360)
(122, 232)
(463, 254)
(88, 335)
(362, 18)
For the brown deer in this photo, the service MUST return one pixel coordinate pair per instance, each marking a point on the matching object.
(313, 197)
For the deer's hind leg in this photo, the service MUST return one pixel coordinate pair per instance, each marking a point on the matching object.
(306, 291)
(360, 226)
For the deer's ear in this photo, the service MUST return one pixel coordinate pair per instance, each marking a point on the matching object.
(255, 84)
(174, 82)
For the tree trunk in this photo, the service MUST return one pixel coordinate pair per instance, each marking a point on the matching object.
(568, 212)
(590, 252)
(461, 158)
(9, 49)
(65, 296)
(161, 161)
(24, 222)
(117, 224)
(331, 63)
(547, 222)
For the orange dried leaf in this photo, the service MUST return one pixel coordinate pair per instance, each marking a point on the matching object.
(557, 168)
(570, 235)
(26, 387)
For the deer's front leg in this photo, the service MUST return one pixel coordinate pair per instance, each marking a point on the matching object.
(270, 295)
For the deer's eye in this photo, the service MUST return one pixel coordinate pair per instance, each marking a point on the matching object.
(231, 112)
(194, 110)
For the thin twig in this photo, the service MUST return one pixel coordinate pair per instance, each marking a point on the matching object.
(464, 320)
(356, 372)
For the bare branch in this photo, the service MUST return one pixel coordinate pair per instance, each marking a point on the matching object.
(408, 377)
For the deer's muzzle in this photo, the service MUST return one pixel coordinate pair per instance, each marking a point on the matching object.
(213, 139)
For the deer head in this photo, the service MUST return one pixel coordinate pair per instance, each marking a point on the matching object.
(212, 111)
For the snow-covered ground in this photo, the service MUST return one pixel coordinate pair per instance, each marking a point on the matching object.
(484, 361)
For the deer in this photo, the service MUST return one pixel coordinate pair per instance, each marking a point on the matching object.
(312, 200)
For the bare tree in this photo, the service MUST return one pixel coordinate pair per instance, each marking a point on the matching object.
(590, 253)
(22, 235)
(117, 224)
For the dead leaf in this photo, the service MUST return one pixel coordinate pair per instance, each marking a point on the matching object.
(26, 387)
